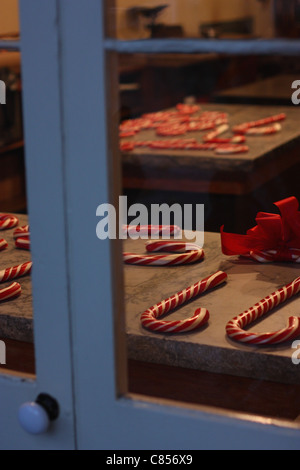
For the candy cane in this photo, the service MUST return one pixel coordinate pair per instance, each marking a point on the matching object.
(171, 143)
(182, 145)
(8, 221)
(227, 149)
(264, 130)
(21, 231)
(260, 122)
(153, 230)
(3, 244)
(126, 146)
(212, 135)
(10, 292)
(193, 253)
(124, 134)
(237, 139)
(23, 243)
(22, 237)
(172, 129)
(200, 126)
(234, 327)
(268, 256)
(176, 143)
(200, 317)
(15, 271)
(213, 115)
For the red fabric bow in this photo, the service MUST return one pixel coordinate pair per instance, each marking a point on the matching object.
(278, 233)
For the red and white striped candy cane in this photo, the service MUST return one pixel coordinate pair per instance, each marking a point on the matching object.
(22, 237)
(125, 134)
(3, 244)
(126, 146)
(214, 134)
(199, 146)
(142, 143)
(8, 221)
(10, 292)
(21, 231)
(260, 122)
(23, 242)
(237, 139)
(234, 327)
(172, 129)
(231, 148)
(16, 271)
(200, 126)
(192, 254)
(149, 318)
(153, 230)
(268, 256)
(266, 130)
(267, 120)
(181, 145)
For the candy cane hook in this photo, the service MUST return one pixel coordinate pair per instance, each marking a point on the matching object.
(192, 254)
(10, 292)
(234, 327)
(8, 221)
(201, 315)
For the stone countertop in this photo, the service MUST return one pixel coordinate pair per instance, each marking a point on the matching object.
(262, 148)
(16, 315)
(209, 348)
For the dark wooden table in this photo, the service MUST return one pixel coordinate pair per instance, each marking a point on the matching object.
(273, 91)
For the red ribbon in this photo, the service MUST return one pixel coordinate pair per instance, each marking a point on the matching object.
(272, 232)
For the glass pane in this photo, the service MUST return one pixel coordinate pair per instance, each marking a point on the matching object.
(223, 19)
(16, 319)
(219, 132)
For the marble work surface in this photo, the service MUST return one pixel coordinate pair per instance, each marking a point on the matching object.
(209, 348)
(16, 315)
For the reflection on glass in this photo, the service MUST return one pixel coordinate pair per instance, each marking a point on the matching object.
(16, 328)
(253, 164)
(206, 18)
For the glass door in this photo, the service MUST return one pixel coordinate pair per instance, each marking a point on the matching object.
(130, 380)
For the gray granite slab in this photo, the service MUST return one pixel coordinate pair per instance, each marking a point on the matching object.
(209, 348)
